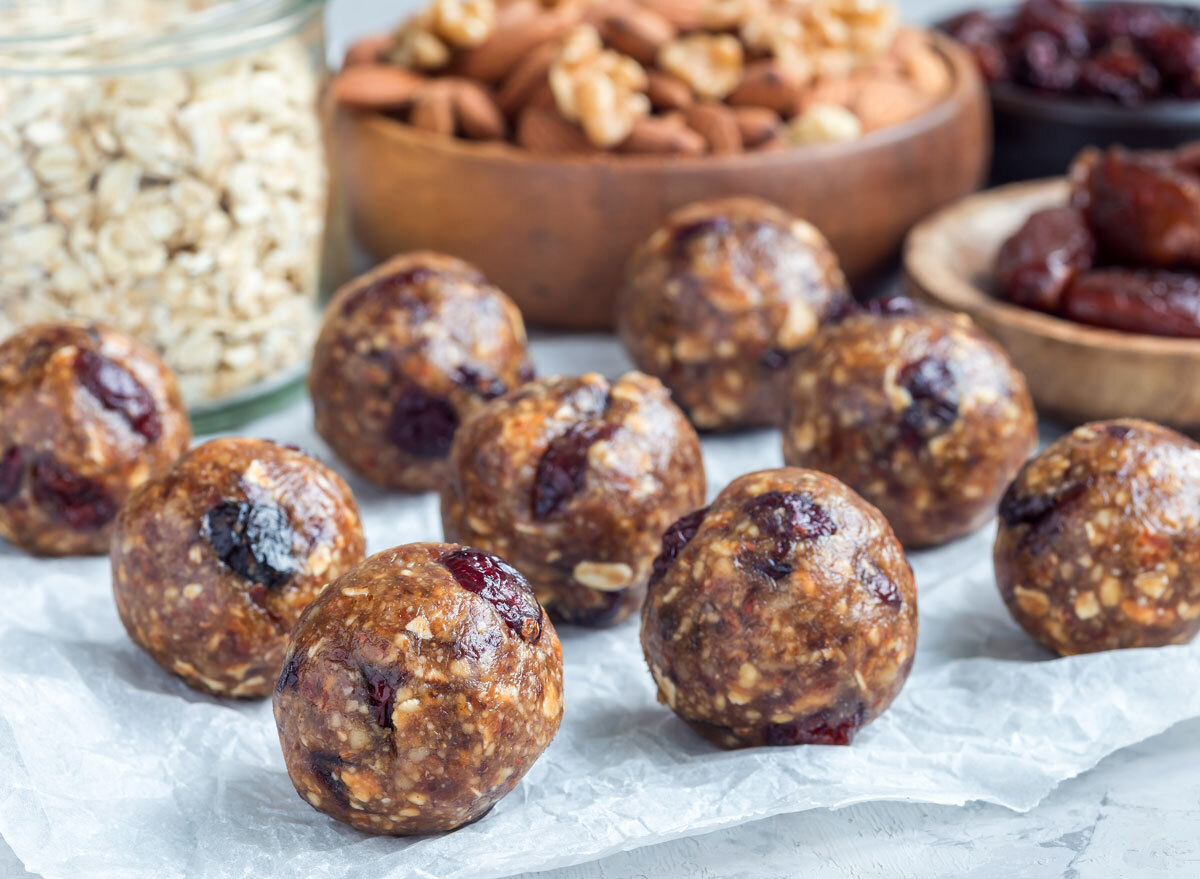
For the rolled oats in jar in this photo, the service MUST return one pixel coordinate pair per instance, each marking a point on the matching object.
(162, 171)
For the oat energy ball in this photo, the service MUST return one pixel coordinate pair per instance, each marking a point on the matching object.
(573, 480)
(918, 411)
(214, 560)
(418, 690)
(718, 301)
(783, 614)
(405, 354)
(1099, 542)
(86, 416)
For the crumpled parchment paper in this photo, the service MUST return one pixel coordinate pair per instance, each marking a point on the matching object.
(112, 768)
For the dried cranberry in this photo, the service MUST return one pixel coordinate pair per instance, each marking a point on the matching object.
(1136, 21)
(326, 768)
(291, 671)
(1043, 64)
(684, 234)
(930, 382)
(526, 372)
(790, 516)
(775, 358)
(821, 728)
(1040, 511)
(1060, 20)
(879, 583)
(893, 306)
(675, 538)
(381, 684)
(1118, 431)
(253, 539)
(501, 585)
(775, 569)
(562, 469)
(840, 308)
(479, 381)
(77, 500)
(1176, 53)
(980, 33)
(422, 424)
(117, 389)
(10, 474)
(1120, 73)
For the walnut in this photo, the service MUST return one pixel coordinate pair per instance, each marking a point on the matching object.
(824, 38)
(425, 41)
(600, 89)
(710, 63)
(419, 49)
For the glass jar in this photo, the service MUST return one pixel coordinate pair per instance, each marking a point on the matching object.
(162, 170)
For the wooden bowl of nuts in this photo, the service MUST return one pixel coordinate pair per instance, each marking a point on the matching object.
(546, 143)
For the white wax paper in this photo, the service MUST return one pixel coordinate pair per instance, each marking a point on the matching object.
(111, 767)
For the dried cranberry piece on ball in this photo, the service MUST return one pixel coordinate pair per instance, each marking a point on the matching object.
(675, 538)
(80, 502)
(254, 539)
(422, 424)
(563, 467)
(116, 389)
(502, 585)
(10, 474)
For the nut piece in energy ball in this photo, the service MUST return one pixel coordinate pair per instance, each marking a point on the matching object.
(783, 614)
(214, 560)
(1099, 541)
(573, 480)
(720, 298)
(405, 354)
(87, 415)
(418, 690)
(917, 411)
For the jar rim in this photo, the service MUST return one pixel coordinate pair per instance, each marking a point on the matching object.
(206, 31)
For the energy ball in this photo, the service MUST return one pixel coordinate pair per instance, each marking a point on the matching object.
(406, 353)
(1099, 541)
(918, 411)
(783, 614)
(718, 301)
(573, 480)
(214, 560)
(418, 690)
(87, 415)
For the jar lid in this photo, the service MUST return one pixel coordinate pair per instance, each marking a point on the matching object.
(48, 37)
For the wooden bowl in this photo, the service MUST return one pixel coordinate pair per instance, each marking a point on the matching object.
(555, 232)
(1076, 373)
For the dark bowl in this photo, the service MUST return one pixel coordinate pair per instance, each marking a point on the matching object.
(1038, 134)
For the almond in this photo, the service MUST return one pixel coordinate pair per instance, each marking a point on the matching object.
(666, 92)
(756, 125)
(768, 84)
(635, 31)
(839, 91)
(478, 115)
(523, 81)
(685, 15)
(433, 108)
(717, 125)
(376, 86)
(521, 27)
(883, 102)
(662, 135)
(927, 71)
(368, 50)
(544, 130)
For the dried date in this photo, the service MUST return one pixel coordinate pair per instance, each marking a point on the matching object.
(1037, 263)
(1157, 303)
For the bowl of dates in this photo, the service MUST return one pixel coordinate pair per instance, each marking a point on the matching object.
(1064, 75)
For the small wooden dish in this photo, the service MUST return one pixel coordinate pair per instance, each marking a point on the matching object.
(555, 232)
(1076, 373)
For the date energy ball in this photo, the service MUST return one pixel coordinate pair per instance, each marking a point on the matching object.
(1099, 541)
(214, 560)
(573, 480)
(783, 614)
(418, 690)
(718, 301)
(87, 414)
(406, 353)
(918, 411)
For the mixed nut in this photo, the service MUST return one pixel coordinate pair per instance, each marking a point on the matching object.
(685, 77)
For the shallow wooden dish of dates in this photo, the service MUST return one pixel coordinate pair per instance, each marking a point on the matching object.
(554, 232)
(1076, 373)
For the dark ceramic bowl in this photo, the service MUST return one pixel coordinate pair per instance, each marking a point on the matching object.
(1038, 134)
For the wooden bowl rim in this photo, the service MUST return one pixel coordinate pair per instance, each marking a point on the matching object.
(962, 67)
(941, 282)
